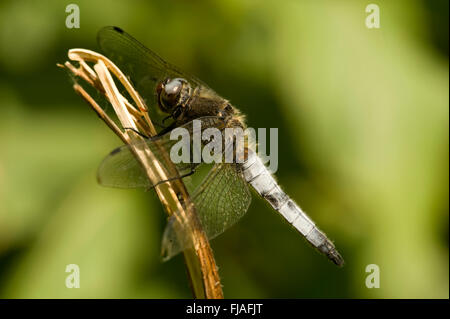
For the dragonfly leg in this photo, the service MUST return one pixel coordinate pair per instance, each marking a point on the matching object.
(173, 178)
(167, 129)
(166, 118)
(137, 132)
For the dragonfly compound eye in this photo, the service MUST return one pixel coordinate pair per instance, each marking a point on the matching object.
(173, 93)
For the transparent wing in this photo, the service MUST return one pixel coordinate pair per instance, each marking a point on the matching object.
(145, 68)
(121, 168)
(220, 201)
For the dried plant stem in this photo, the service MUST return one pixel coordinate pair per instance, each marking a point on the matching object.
(200, 263)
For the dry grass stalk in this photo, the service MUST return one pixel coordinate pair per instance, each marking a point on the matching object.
(200, 263)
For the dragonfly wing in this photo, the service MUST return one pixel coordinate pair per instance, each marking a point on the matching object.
(121, 168)
(220, 201)
(145, 68)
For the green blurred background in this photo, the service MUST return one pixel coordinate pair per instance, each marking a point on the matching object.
(363, 147)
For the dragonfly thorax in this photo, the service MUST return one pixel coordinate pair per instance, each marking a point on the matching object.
(173, 95)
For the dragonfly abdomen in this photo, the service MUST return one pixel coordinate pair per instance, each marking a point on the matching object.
(259, 177)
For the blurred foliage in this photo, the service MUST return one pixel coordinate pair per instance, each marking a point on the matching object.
(363, 147)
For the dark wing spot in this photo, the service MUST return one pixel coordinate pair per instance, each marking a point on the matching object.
(118, 29)
(117, 150)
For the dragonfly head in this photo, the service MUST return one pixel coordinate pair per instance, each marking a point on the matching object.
(173, 94)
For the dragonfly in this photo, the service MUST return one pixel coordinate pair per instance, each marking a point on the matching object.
(223, 197)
